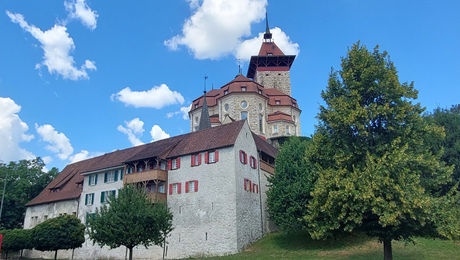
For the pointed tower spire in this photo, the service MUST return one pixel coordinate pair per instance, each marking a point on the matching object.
(205, 122)
(268, 34)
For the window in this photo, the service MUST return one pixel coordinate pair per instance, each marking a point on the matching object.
(129, 170)
(243, 157)
(269, 54)
(243, 89)
(174, 188)
(253, 162)
(163, 165)
(196, 119)
(225, 92)
(255, 188)
(174, 164)
(89, 199)
(275, 129)
(111, 176)
(195, 159)
(196, 105)
(244, 104)
(191, 186)
(161, 188)
(92, 180)
(260, 107)
(121, 172)
(89, 216)
(261, 123)
(226, 106)
(287, 129)
(211, 156)
(247, 185)
(106, 194)
(140, 168)
(277, 102)
(244, 115)
(260, 92)
(45, 217)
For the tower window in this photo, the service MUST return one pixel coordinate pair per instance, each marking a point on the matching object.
(260, 92)
(277, 102)
(226, 107)
(244, 104)
(225, 92)
(196, 105)
(243, 89)
(244, 115)
(287, 129)
(261, 126)
(275, 129)
(269, 54)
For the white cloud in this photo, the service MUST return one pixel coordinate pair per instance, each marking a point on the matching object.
(82, 155)
(134, 130)
(251, 47)
(216, 27)
(57, 46)
(79, 9)
(12, 132)
(157, 133)
(47, 159)
(57, 142)
(157, 97)
(183, 110)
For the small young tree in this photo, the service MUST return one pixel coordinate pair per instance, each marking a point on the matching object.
(130, 220)
(63, 232)
(290, 186)
(375, 172)
(16, 240)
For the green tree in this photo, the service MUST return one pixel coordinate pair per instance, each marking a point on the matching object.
(25, 180)
(290, 186)
(130, 220)
(16, 239)
(375, 172)
(449, 119)
(63, 232)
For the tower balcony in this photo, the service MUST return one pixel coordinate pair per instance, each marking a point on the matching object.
(146, 176)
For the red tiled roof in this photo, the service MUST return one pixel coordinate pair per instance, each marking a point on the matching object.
(279, 116)
(68, 184)
(235, 86)
(270, 49)
(263, 146)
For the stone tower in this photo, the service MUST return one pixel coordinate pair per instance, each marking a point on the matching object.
(271, 67)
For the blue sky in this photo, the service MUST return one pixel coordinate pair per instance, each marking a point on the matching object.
(80, 78)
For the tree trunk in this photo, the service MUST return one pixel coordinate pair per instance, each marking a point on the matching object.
(55, 255)
(6, 255)
(387, 252)
(131, 253)
(164, 248)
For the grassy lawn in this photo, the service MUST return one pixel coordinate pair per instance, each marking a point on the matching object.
(354, 246)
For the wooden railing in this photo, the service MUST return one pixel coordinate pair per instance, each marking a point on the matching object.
(156, 197)
(267, 167)
(149, 175)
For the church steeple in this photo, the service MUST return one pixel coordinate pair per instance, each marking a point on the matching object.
(205, 122)
(268, 34)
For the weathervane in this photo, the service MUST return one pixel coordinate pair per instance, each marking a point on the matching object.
(205, 78)
(239, 66)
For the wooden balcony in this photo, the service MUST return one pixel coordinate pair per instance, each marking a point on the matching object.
(267, 167)
(146, 176)
(156, 197)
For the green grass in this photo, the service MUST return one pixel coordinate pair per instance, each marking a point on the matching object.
(353, 246)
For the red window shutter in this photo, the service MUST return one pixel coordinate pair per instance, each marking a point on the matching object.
(206, 157)
(245, 158)
(192, 158)
(216, 156)
(241, 156)
(169, 164)
(186, 187)
(178, 163)
(170, 189)
(245, 184)
(199, 159)
(250, 186)
(196, 186)
(257, 188)
(179, 188)
(255, 163)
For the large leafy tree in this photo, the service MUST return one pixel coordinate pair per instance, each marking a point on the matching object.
(290, 186)
(449, 119)
(25, 180)
(130, 220)
(375, 172)
(63, 232)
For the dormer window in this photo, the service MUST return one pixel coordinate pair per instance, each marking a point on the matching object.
(277, 102)
(260, 92)
(269, 54)
(243, 89)
(196, 105)
(225, 92)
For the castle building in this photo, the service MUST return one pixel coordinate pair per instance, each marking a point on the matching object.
(214, 179)
(263, 97)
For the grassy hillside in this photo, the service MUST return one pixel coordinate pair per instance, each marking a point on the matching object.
(354, 246)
